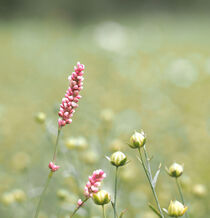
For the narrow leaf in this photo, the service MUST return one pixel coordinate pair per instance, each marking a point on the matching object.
(154, 210)
(154, 181)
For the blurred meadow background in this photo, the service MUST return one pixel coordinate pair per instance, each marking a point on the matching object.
(147, 67)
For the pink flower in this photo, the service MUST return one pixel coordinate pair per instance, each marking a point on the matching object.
(53, 167)
(69, 102)
(79, 202)
(94, 182)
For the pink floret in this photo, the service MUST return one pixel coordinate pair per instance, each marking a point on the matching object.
(69, 102)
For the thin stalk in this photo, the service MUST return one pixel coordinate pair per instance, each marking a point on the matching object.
(103, 210)
(181, 194)
(78, 207)
(43, 193)
(115, 193)
(56, 145)
(49, 176)
(149, 177)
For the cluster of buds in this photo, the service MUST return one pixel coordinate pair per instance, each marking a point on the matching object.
(94, 182)
(176, 209)
(175, 170)
(69, 102)
(92, 186)
(137, 140)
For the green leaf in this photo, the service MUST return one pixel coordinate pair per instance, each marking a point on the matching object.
(154, 210)
(154, 181)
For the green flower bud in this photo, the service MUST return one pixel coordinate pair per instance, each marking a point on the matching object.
(176, 209)
(137, 140)
(40, 117)
(175, 170)
(118, 159)
(102, 197)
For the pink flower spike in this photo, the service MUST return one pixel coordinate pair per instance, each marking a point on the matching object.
(79, 202)
(53, 167)
(92, 186)
(69, 102)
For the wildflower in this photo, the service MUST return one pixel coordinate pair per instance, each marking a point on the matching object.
(176, 209)
(79, 202)
(69, 102)
(53, 167)
(94, 182)
(137, 140)
(102, 197)
(118, 159)
(175, 170)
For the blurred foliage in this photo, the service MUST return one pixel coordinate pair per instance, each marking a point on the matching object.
(81, 10)
(142, 71)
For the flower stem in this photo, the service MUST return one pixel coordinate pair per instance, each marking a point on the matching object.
(103, 209)
(78, 207)
(49, 176)
(43, 193)
(56, 144)
(181, 194)
(115, 193)
(148, 173)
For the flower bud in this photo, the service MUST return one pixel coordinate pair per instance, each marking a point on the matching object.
(175, 170)
(101, 197)
(40, 117)
(137, 140)
(118, 159)
(176, 209)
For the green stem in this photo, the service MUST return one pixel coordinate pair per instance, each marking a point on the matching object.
(149, 177)
(43, 193)
(115, 193)
(49, 176)
(78, 207)
(181, 194)
(104, 215)
(56, 145)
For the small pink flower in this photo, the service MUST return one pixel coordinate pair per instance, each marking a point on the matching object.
(80, 202)
(94, 182)
(53, 167)
(69, 102)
